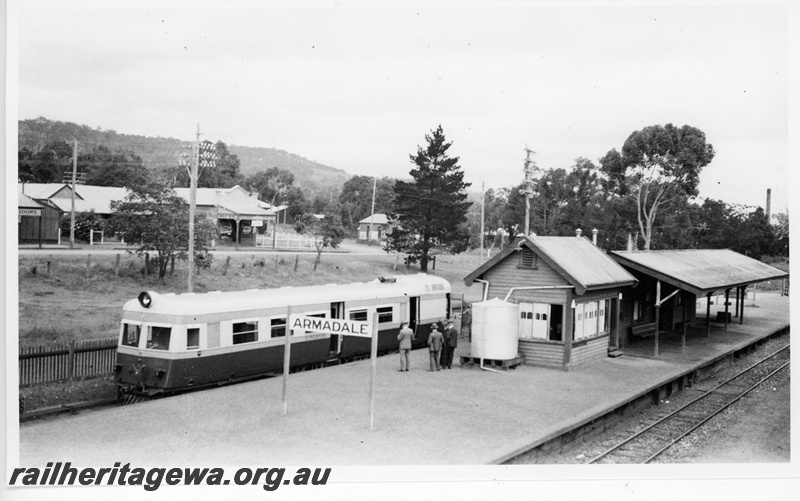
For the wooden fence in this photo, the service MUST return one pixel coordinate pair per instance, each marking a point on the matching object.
(75, 359)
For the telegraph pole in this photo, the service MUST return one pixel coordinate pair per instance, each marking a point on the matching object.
(72, 211)
(195, 166)
(483, 205)
(372, 217)
(527, 189)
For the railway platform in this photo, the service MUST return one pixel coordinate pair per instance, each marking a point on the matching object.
(461, 416)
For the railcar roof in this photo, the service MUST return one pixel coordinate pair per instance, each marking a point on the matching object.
(216, 302)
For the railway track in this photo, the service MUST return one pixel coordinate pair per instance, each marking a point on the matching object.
(662, 433)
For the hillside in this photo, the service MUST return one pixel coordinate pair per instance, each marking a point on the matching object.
(161, 152)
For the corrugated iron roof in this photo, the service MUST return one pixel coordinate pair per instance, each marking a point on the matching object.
(577, 259)
(378, 219)
(700, 270)
(27, 202)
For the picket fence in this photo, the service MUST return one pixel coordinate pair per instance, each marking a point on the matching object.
(72, 360)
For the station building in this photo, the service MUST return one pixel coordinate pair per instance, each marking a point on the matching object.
(569, 295)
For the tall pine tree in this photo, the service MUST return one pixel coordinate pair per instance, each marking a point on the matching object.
(431, 211)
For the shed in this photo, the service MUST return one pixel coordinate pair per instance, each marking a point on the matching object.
(37, 221)
(373, 227)
(568, 291)
(671, 281)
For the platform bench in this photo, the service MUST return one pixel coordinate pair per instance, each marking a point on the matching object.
(644, 330)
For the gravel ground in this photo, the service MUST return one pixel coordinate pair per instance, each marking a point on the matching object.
(754, 430)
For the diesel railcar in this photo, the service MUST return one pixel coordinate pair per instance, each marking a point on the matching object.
(176, 342)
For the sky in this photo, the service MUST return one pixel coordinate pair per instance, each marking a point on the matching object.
(358, 87)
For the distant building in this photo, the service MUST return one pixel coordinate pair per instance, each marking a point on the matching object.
(241, 217)
(37, 222)
(373, 227)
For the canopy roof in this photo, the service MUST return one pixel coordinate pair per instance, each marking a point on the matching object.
(699, 271)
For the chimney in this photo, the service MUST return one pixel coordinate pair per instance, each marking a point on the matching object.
(629, 247)
(769, 205)
(594, 236)
(578, 232)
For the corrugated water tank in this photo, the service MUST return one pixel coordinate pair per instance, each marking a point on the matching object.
(495, 327)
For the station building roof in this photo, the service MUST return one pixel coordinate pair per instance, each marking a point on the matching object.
(577, 259)
(700, 271)
(377, 219)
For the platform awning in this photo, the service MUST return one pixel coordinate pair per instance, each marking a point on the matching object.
(699, 271)
(248, 212)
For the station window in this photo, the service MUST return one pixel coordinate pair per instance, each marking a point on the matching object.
(192, 338)
(130, 334)
(245, 332)
(278, 327)
(385, 314)
(359, 315)
(158, 337)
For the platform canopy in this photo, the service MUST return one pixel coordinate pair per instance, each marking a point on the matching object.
(699, 271)
(244, 211)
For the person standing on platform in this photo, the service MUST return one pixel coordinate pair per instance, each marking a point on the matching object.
(435, 341)
(449, 345)
(405, 337)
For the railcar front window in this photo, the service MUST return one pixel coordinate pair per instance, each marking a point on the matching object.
(245, 332)
(158, 337)
(130, 334)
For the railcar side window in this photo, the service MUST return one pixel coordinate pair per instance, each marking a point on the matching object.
(278, 327)
(245, 332)
(385, 314)
(130, 334)
(359, 315)
(192, 338)
(158, 337)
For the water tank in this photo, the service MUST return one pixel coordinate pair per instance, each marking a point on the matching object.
(495, 325)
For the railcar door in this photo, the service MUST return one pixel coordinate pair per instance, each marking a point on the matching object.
(337, 311)
(413, 313)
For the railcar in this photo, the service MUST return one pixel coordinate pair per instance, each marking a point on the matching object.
(176, 342)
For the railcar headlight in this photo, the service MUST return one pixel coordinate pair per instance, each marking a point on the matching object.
(117, 367)
(145, 299)
(160, 373)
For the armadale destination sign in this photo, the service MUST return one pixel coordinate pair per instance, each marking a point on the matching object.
(330, 326)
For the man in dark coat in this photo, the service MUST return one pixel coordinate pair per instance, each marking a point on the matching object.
(449, 345)
(435, 342)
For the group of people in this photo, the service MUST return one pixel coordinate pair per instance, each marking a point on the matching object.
(441, 346)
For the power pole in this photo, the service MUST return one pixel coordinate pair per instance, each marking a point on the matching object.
(195, 166)
(72, 211)
(483, 205)
(372, 217)
(527, 189)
